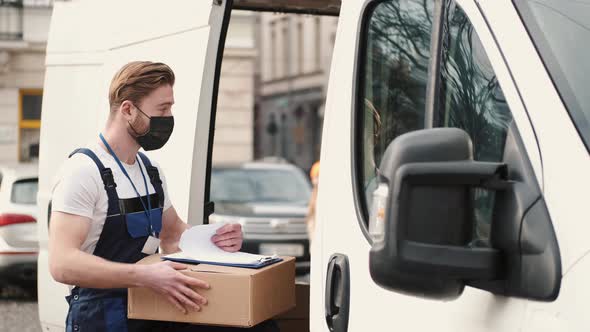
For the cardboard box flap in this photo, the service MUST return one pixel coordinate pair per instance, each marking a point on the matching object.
(153, 259)
(215, 268)
(220, 269)
(234, 270)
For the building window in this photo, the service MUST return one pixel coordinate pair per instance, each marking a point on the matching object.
(38, 3)
(273, 51)
(318, 43)
(300, 51)
(286, 54)
(30, 102)
(11, 20)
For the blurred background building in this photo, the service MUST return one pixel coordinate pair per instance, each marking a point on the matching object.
(271, 95)
(294, 64)
(234, 125)
(23, 37)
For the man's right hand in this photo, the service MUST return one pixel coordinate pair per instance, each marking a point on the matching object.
(165, 279)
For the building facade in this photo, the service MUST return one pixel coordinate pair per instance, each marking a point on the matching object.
(24, 26)
(293, 69)
(234, 125)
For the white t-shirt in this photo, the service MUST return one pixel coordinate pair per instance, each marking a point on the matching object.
(79, 190)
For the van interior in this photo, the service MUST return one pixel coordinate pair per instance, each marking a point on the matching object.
(226, 179)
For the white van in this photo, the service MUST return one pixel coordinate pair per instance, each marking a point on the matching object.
(480, 228)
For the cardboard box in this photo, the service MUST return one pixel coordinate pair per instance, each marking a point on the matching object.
(296, 319)
(237, 297)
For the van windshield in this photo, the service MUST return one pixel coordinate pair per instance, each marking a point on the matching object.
(561, 32)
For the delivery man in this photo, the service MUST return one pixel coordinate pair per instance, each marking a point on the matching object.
(110, 208)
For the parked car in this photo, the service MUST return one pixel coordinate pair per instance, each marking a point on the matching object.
(18, 229)
(270, 201)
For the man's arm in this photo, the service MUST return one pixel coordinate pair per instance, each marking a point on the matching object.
(228, 237)
(172, 229)
(70, 265)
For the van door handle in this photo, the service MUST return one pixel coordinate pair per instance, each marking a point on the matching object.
(337, 299)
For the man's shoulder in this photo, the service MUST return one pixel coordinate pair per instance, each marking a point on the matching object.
(158, 167)
(154, 162)
(79, 165)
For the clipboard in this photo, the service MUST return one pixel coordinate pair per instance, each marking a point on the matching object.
(260, 264)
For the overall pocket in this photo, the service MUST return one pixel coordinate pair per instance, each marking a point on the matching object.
(138, 224)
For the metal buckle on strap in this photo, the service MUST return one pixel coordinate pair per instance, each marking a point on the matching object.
(108, 179)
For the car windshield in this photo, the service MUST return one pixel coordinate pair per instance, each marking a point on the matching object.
(559, 29)
(259, 185)
(25, 191)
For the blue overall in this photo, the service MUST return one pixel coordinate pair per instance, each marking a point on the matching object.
(122, 240)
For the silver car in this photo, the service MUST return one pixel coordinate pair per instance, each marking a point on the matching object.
(270, 201)
(18, 229)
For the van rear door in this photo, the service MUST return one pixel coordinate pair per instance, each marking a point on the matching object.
(88, 42)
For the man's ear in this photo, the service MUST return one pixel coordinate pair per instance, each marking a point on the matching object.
(126, 108)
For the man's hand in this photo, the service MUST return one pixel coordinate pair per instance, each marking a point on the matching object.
(165, 279)
(172, 229)
(229, 237)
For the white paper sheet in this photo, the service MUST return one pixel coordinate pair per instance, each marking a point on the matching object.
(196, 244)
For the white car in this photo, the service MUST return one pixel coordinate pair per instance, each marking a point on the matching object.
(18, 224)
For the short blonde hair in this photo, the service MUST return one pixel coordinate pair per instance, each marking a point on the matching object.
(136, 80)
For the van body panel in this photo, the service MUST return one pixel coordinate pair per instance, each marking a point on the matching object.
(567, 312)
(338, 230)
(566, 165)
(87, 45)
(565, 190)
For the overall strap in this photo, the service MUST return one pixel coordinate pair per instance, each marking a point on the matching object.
(107, 179)
(154, 175)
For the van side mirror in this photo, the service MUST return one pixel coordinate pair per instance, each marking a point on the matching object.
(425, 246)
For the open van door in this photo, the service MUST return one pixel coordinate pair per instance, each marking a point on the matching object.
(88, 42)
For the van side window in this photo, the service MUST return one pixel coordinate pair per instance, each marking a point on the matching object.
(471, 99)
(393, 78)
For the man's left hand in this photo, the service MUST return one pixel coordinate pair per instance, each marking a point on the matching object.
(229, 237)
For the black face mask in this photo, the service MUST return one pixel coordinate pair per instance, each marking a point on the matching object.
(158, 133)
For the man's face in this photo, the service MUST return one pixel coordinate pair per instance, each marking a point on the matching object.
(157, 103)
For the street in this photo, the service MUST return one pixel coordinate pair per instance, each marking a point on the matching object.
(18, 311)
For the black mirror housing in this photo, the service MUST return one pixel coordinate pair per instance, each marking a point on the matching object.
(426, 247)
(424, 250)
